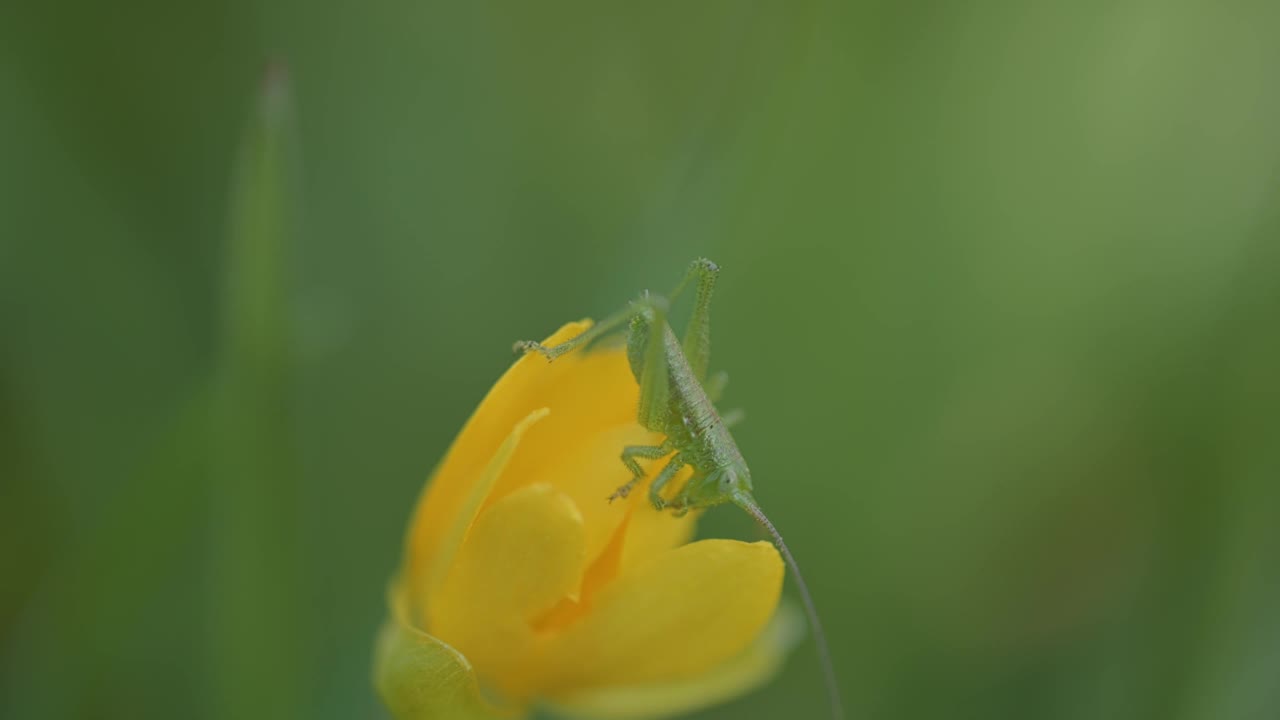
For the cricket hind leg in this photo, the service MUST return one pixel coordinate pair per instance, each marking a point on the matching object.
(715, 385)
(697, 338)
(646, 347)
(714, 388)
(629, 455)
(733, 417)
(697, 335)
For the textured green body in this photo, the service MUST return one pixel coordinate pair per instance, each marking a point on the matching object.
(689, 419)
(678, 400)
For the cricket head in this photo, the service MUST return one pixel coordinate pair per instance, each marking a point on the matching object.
(721, 485)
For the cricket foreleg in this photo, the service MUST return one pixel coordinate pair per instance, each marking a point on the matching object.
(604, 327)
(664, 477)
(629, 455)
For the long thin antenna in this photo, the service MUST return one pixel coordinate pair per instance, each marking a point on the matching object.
(748, 503)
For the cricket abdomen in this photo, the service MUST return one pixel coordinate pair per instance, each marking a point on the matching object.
(692, 424)
(707, 442)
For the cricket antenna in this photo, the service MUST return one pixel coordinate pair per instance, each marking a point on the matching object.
(746, 502)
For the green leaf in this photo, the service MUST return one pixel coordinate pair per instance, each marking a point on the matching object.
(255, 495)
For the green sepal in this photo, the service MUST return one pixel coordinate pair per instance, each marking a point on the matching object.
(420, 677)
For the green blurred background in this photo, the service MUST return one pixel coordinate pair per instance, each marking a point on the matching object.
(1000, 296)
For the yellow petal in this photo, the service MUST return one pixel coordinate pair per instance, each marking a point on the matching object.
(584, 391)
(640, 535)
(593, 418)
(652, 532)
(589, 470)
(523, 555)
(427, 573)
(600, 572)
(673, 618)
(743, 672)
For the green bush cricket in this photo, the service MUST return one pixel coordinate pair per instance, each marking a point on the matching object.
(677, 399)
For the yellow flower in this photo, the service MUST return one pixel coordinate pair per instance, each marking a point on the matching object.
(522, 585)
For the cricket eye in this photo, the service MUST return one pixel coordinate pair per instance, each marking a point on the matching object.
(728, 479)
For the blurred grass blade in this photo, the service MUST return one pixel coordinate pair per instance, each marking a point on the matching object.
(256, 596)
